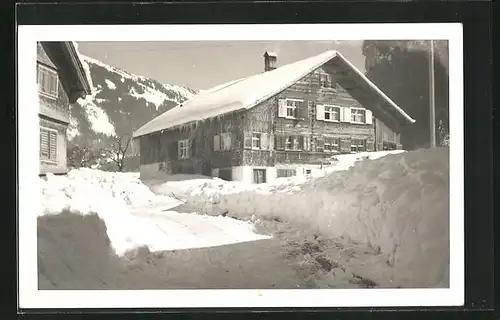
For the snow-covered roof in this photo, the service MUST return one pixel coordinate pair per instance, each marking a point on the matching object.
(271, 54)
(248, 92)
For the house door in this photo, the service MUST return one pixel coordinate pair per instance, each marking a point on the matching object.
(206, 169)
(259, 175)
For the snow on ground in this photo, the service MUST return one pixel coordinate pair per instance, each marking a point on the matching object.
(214, 188)
(111, 85)
(135, 216)
(398, 204)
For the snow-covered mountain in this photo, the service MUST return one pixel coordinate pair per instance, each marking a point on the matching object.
(120, 103)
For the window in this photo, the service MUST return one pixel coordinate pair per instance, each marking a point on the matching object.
(183, 149)
(332, 113)
(325, 80)
(259, 175)
(358, 115)
(48, 144)
(285, 173)
(47, 81)
(358, 145)
(291, 108)
(222, 141)
(293, 143)
(256, 141)
(308, 171)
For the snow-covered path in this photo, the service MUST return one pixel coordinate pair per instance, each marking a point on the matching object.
(136, 217)
(190, 230)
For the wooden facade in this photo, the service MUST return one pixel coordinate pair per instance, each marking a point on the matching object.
(56, 90)
(267, 135)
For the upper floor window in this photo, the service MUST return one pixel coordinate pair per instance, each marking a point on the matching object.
(47, 80)
(256, 140)
(325, 80)
(289, 108)
(332, 113)
(358, 115)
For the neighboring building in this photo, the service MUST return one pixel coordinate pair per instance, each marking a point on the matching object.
(285, 121)
(61, 81)
(401, 69)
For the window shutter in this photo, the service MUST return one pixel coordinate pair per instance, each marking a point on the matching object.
(280, 142)
(320, 112)
(174, 150)
(227, 141)
(368, 117)
(271, 142)
(264, 141)
(347, 114)
(370, 145)
(247, 140)
(282, 108)
(216, 143)
(191, 147)
(53, 145)
(301, 143)
(44, 143)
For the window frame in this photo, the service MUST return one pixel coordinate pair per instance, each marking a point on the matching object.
(47, 158)
(259, 139)
(183, 145)
(51, 72)
(332, 106)
(293, 108)
(353, 114)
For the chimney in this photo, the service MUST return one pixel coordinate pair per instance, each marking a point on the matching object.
(269, 61)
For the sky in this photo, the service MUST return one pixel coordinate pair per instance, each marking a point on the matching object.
(205, 64)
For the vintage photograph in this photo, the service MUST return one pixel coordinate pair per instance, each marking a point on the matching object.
(243, 164)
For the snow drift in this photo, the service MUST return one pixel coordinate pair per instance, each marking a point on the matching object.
(398, 204)
(135, 216)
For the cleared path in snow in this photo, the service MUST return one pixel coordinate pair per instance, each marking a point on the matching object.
(188, 230)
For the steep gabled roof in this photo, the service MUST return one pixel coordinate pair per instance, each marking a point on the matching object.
(248, 92)
(65, 56)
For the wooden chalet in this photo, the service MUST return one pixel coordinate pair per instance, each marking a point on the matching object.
(285, 121)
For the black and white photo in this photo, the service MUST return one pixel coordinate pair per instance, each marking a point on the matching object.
(242, 168)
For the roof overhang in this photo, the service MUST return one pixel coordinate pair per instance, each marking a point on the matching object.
(367, 93)
(70, 68)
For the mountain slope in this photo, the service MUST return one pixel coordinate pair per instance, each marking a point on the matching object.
(120, 102)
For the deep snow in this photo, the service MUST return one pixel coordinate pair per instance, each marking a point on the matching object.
(134, 216)
(398, 204)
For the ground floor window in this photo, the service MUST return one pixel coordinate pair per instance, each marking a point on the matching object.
(389, 145)
(358, 145)
(183, 149)
(259, 175)
(284, 173)
(332, 145)
(48, 144)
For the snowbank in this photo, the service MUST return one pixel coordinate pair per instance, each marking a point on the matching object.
(135, 216)
(212, 189)
(397, 203)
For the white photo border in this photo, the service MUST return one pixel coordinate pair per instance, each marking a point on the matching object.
(29, 295)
